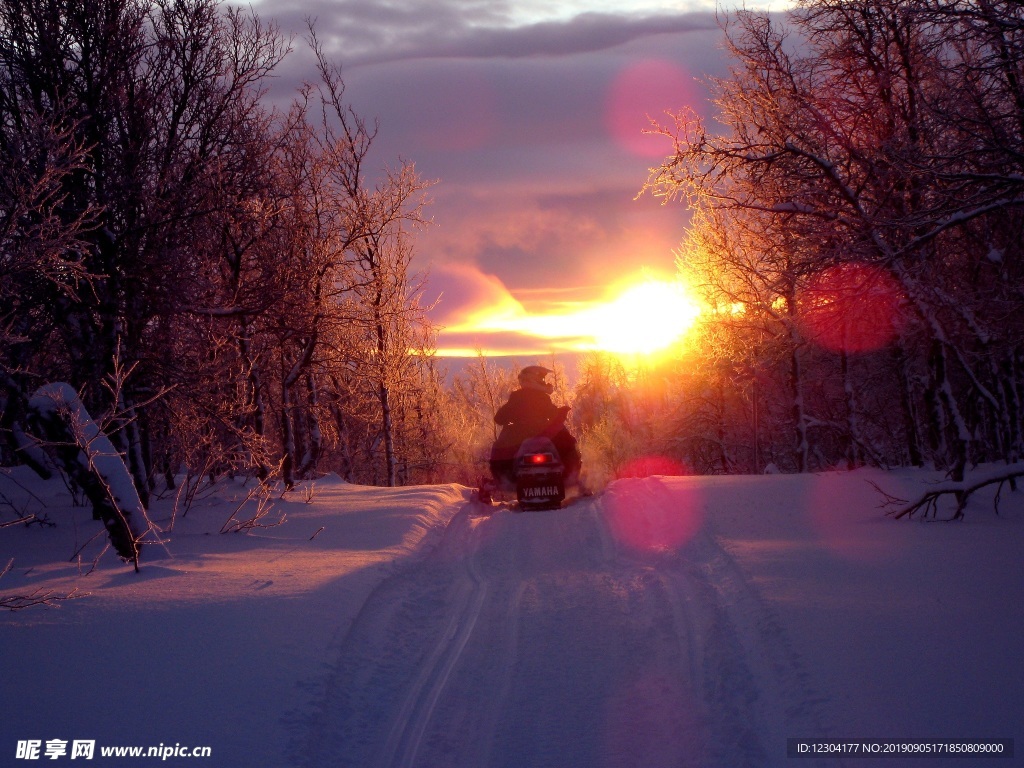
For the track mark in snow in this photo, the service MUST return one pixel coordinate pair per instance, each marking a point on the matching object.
(683, 622)
(503, 677)
(782, 699)
(756, 688)
(542, 639)
(395, 659)
(415, 713)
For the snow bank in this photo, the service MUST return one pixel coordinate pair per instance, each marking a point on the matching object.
(219, 638)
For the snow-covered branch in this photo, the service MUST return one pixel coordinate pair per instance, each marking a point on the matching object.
(927, 504)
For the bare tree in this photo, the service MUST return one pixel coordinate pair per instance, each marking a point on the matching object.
(371, 288)
(160, 104)
(861, 144)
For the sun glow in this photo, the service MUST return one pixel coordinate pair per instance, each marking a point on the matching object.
(643, 316)
(643, 319)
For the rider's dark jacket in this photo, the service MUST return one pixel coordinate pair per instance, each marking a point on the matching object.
(526, 414)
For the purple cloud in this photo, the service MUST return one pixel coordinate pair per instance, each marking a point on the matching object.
(372, 32)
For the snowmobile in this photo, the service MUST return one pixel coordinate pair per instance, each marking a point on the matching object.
(538, 474)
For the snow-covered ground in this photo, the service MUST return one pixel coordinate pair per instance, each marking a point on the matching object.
(667, 622)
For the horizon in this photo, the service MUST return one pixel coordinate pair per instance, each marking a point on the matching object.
(531, 118)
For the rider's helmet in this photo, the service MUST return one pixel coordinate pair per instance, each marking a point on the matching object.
(533, 377)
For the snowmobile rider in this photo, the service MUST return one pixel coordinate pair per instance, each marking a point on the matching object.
(528, 413)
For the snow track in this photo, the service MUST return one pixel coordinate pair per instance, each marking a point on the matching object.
(542, 639)
(407, 731)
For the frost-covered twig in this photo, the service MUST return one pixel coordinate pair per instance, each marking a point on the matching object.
(40, 597)
(77, 555)
(48, 597)
(308, 492)
(187, 492)
(264, 506)
(22, 515)
(29, 519)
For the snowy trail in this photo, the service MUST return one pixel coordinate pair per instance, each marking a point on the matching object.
(544, 639)
(694, 621)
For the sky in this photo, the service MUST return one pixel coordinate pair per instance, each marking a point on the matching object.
(529, 115)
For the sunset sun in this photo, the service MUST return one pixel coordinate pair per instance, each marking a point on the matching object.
(644, 314)
(643, 318)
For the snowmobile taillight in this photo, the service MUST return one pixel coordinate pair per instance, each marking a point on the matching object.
(539, 458)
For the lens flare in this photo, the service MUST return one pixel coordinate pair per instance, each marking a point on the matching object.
(646, 466)
(851, 307)
(642, 91)
(644, 517)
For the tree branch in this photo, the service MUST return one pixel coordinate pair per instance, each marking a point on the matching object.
(928, 503)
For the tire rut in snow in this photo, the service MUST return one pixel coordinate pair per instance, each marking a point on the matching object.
(395, 660)
(537, 639)
(756, 690)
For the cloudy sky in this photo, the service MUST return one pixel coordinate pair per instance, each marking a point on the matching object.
(529, 114)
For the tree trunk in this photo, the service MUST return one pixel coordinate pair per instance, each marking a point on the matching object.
(803, 444)
(254, 396)
(387, 429)
(83, 451)
(854, 441)
(937, 424)
(314, 436)
(956, 459)
(135, 459)
(287, 437)
(1012, 394)
(910, 421)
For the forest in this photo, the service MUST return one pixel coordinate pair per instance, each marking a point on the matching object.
(227, 285)
(857, 233)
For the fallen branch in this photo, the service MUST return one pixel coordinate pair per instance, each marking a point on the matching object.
(928, 502)
(84, 452)
(40, 597)
(48, 597)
